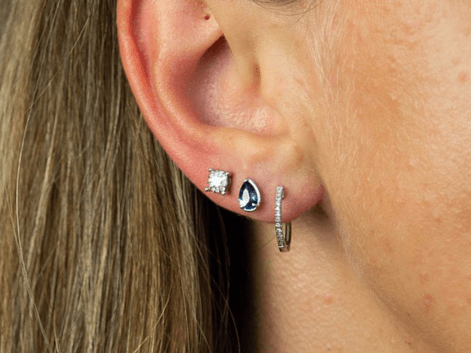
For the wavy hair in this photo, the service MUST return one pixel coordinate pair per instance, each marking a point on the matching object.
(104, 245)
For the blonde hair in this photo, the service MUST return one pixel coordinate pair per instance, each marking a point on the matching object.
(104, 244)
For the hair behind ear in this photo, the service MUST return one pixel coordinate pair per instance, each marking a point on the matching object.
(103, 242)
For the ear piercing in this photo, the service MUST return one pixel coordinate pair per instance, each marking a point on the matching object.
(283, 240)
(249, 196)
(249, 200)
(218, 181)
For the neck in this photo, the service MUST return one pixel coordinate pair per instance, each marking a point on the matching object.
(310, 299)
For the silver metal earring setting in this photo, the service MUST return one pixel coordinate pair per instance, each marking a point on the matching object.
(249, 196)
(218, 181)
(283, 240)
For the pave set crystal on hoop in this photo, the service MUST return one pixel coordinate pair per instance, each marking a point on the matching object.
(282, 240)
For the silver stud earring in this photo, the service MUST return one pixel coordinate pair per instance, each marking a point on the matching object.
(283, 240)
(218, 181)
(249, 196)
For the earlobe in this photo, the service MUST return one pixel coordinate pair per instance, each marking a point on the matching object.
(182, 74)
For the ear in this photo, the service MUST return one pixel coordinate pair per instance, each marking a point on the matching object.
(203, 103)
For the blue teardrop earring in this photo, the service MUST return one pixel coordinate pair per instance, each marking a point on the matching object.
(249, 196)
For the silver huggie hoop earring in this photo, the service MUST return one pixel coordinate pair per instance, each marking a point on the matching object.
(283, 240)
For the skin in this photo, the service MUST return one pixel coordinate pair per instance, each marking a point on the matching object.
(388, 113)
(373, 101)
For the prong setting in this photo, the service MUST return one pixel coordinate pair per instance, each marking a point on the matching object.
(218, 181)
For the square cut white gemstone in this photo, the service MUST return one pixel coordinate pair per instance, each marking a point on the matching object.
(218, 181)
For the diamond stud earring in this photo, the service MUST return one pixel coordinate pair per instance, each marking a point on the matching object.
(249, 196)
(283, 240)
(218, 181)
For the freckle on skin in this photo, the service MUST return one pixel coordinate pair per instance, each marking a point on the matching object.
(428, 301)
(329, 299)
(463, 77)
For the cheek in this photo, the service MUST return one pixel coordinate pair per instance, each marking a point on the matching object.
(406, 227)
(396, 164)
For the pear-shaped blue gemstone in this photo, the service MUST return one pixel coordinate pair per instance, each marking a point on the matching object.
(249, 196)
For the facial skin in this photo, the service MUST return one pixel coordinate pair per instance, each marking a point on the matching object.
(381, 92)
(373, 99)
(402, 198)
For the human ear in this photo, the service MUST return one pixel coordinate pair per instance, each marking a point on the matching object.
(204, 103)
